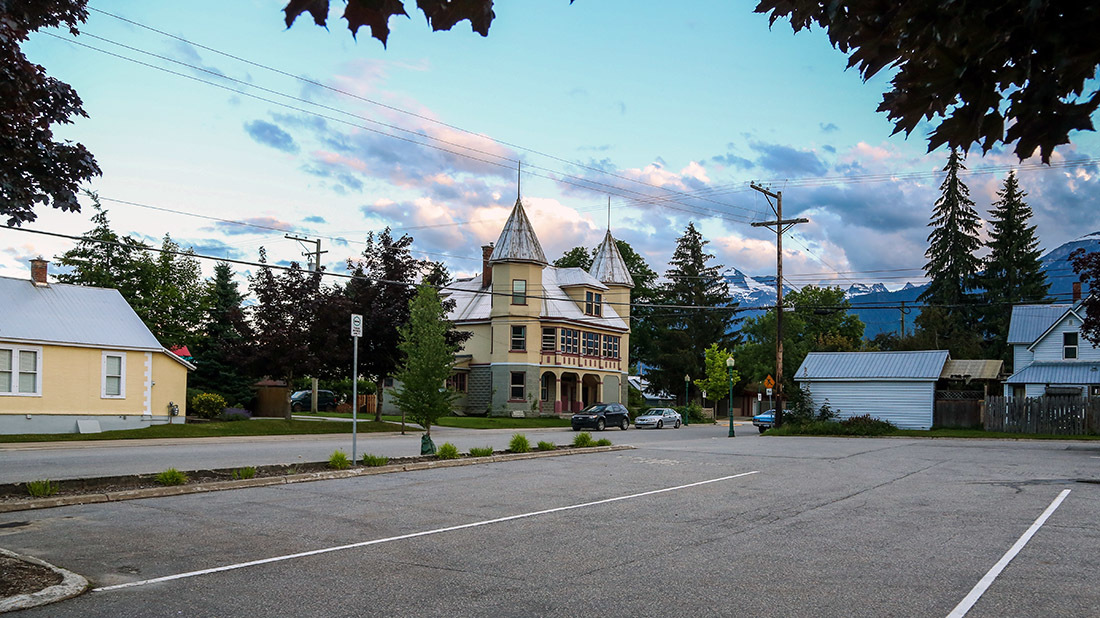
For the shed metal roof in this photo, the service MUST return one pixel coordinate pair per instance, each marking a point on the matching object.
(972, 369)
(867, 366)
(1030, 321)
(70, 314)
(1057, 373)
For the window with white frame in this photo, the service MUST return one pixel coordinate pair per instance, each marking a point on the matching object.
(519, 338)
(1069, 346)
(114, 375)
(590, 344)
(611, 346)
(549, 335)
(20, 371)
(519, 291)
(593, 303)
(519, 386)
(570, 341)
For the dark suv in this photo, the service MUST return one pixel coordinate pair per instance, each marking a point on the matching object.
(300, 400)
(600, 415)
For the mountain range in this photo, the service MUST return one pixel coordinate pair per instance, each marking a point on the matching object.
(883, 310)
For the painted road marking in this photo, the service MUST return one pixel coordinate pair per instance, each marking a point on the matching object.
(980, 588)
(242, 565)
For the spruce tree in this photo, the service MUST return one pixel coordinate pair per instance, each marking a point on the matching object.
(698, 313)
(219, 352)
(1012, 269)
(952, 266)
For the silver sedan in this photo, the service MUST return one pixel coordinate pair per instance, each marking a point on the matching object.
(658, 418)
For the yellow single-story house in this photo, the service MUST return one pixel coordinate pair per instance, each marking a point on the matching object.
(79, 359)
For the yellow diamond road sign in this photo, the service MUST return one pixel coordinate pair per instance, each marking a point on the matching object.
(769, 382)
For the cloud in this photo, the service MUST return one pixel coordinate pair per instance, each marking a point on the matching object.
(788, 161)
(234, 229)
(828, 128)
(272, 135)
(315, 219)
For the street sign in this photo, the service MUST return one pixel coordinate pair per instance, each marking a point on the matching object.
(356, 325)
(769, 392)
(769, 382)
(760, 396)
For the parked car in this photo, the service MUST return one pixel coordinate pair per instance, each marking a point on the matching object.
(658, 418)
(764, 421)
(301, 400)
(600, 415)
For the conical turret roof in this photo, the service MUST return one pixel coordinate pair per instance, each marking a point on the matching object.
(517, 242)
(608, 265)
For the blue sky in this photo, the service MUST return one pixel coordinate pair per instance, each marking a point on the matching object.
(670, 112)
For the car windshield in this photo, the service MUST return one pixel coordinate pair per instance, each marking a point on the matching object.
(300, 394)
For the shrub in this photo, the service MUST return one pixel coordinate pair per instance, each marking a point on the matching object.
(693, 412)
(235, 414)
(246, 472)
(867, 425)
(481, 451)
(519, 444)
(171, 476)
(543, 445)
(339, 460)
(447, 451)
(603, 442)
(582, 440)
(375, 460)
(207, 405)
(41, 489)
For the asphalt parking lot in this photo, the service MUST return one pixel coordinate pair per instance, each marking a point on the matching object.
(691, 524)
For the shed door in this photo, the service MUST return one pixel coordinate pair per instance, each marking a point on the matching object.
(908, 405)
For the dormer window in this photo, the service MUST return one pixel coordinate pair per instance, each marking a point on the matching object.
(1069, 346)
(593, 303)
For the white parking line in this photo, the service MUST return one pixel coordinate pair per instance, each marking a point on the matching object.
(241, 565)
(979, 589)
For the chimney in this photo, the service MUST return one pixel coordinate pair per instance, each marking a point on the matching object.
(39, 268)
(486, 269)
(1076, 291)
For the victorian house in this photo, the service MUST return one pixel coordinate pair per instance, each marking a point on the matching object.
(546, 340)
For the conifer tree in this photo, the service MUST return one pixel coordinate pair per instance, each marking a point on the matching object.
(219, 352)
(952, 266)
(699, 314)
(1012, 269)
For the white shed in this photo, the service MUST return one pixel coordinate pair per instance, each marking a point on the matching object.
(899, 387)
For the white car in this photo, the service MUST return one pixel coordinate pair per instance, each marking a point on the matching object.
(658, 418)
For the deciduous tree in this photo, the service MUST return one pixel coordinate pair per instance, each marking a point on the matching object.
(1087, 267)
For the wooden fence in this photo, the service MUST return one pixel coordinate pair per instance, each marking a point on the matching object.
(1071, 416)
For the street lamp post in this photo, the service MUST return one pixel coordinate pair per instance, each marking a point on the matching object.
(729, 368)
(687, 397)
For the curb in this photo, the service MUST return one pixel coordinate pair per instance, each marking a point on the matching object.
(71, 585)
(177, 490)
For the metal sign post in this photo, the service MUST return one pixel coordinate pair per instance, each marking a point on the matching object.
(356, 333)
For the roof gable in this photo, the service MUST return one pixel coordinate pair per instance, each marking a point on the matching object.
(920, 365)
(1062, 318)
(71, 314)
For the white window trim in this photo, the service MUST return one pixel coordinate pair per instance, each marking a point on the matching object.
(103, 376)
(15, 349)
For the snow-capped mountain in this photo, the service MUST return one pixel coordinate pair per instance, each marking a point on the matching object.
(859, 289)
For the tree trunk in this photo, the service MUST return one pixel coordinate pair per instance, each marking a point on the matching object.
(378, 402)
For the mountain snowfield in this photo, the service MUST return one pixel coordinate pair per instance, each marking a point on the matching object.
(882, 309)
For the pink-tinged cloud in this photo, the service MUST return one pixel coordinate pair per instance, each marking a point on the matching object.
(254, 225)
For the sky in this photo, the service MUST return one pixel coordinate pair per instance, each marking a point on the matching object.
(216, 124)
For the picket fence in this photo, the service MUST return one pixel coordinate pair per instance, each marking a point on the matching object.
(1068, 416)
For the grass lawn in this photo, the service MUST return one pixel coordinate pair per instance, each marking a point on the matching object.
(469, 422)
(265, 427)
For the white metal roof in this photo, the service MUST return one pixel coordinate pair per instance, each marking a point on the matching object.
(866, 366)
(77, 315)
(1029, 322)
(608, 266)
(1057, 373)
(518, 242)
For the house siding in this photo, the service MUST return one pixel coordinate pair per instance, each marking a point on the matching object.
(1049, 349)
(908, 405)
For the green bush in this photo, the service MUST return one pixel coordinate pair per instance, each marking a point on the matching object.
(693, 412)
(543, 445)
(603, 442)
(171, 476)
(867, 425)
(519, 444)
(246, 472)
(481, 451)
(447, 451)
(41, 489)
(375, 460)
(207, 405)
(339, 460)
(583, 439)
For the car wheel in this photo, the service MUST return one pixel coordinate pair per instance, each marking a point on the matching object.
(625, 424)
(660, 424)
(763, 429)
(677, 425)
(575, 428)
(600, 425)
(296, 407)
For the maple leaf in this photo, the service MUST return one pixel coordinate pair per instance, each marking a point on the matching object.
(373, 13)
(444, 14)
(317, 8)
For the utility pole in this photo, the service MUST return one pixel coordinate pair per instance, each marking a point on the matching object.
(780, 225)
(314, 266)
(315, 255)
